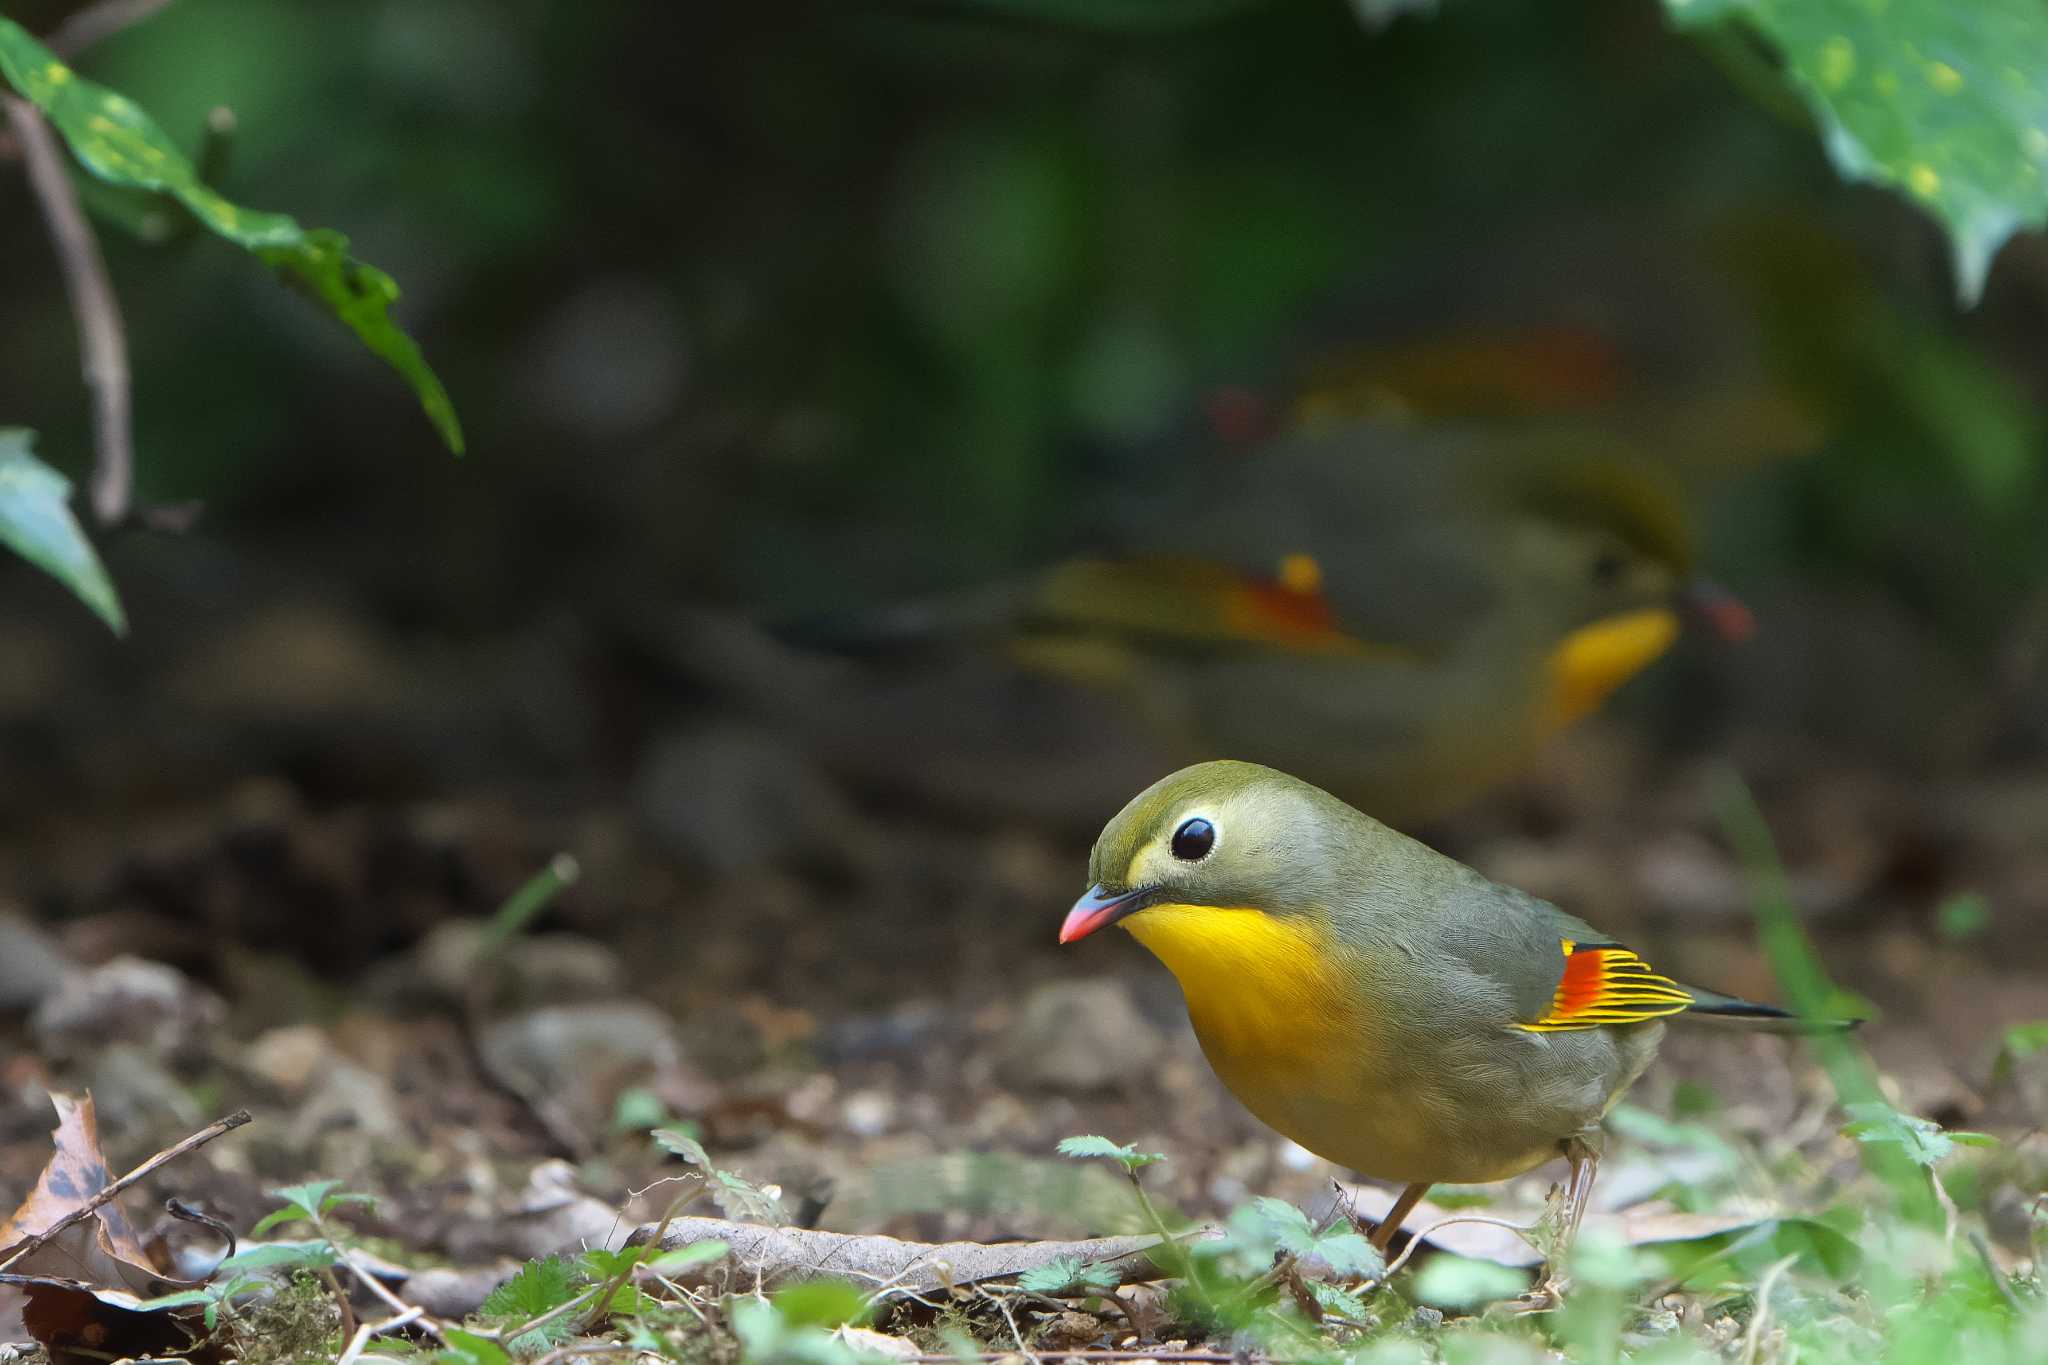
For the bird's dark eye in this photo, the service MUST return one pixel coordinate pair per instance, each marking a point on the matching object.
(1608, 566)
(1193, 840)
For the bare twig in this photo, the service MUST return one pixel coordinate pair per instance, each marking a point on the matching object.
(1417, 1239)
(97, 23)
(1753, 1338)
(363, 1333)
(111, 1191)
(185, 1213)
(102, 339)
(370, 1281)
(1998, 1279)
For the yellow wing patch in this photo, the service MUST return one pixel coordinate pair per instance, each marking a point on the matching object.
(1605, 983)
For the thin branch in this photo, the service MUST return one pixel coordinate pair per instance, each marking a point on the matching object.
(370, 1282)
(97, 23)
(102, 340)
(107, 1194)
(363, 1333)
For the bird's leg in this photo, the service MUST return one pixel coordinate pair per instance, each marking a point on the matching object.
(1582, 1161)
(1383, 1235)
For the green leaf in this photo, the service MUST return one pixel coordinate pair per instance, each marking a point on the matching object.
(1963, 917)
(36, 523)
(1924, 1140)
(1454, 1282)
(736, 1195)
(678, 1143)
(1336, 1299)
(1941, 100)
(1088, 1145)
(682, 1258)
(267, 1256)
(821, 1303)
(117, 141)
(1067, 1272)
(540, 1287)
(467, 1348)
(2020, 1042)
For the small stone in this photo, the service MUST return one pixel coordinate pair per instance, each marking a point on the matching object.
(731, 797)
(575, 1059)
(1078, 1035)
(454, 1294)
(31, 964)
(1427, 1320)
(868, 1113)
(127, 1000)
(288, 1057)
(1071, 1330)
(345, 1096)
(867, 1342)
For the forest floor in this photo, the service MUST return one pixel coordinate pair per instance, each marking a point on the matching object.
(867, 1019)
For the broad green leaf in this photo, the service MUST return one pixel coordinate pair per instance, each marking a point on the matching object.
(682, 1258)
(116, 140)
(279, 1256)
(1454, 1282)
(36, 523)
(1942, 100)
(821, 1303)
(539, 1288)
(1336, 1299)
(467, 1348)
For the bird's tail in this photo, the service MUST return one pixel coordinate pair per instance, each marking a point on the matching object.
(1734, 1012)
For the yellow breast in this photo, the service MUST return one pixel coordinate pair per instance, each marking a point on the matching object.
(1267, 994)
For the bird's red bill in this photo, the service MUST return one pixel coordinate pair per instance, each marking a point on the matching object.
(1099, 909)
(1722, 610)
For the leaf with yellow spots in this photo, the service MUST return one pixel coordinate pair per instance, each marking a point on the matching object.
(116, 140)
(1945, 101)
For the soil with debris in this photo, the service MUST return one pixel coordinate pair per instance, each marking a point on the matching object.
(850, 997)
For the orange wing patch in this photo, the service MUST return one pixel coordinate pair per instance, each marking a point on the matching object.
(1605, 983)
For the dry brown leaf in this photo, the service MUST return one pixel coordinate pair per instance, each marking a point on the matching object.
(101, 1251)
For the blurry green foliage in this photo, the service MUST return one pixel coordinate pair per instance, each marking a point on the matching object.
(119, 142)
(36, 523)
(1942, 101)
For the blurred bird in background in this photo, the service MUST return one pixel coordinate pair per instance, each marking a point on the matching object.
(1401, 606)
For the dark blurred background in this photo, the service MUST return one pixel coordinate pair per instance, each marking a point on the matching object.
(794, 312)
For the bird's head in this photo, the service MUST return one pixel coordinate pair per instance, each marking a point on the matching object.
(1599, 534)
(1222, 835)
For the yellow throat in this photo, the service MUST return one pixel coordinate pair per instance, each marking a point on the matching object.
(1263, 991)
(1592, 661)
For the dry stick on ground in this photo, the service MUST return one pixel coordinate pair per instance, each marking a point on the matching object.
(371, 1282)
(102, 340)
(107, 1194)
(1752, 1340)
(362, 1335)
(778, 1255)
